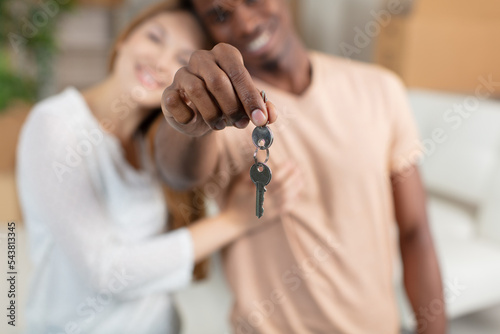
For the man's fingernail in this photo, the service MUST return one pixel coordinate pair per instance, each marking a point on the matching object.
(258, 117)
(221, 125)
(242, 123)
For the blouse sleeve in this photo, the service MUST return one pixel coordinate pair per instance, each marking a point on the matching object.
(406, 148)
(71, 211)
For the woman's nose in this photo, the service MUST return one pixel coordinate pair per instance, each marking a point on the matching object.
(164, 69)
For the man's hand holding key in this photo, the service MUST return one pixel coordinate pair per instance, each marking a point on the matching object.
(213, 91)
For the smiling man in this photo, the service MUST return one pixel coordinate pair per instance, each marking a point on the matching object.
(328, 265)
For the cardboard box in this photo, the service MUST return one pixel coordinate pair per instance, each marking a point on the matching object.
(9, 204)
(444, 45)
(464, 9)
(11, 122)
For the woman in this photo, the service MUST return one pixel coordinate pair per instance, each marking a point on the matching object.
(92, 200)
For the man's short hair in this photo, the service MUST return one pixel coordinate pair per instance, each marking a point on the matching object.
(187, 4)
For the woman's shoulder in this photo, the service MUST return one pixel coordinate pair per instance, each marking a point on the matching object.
(59, 130)
(66, 105)
(66, 110)
(55, 122)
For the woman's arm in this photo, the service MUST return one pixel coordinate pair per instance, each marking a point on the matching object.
(68, 206)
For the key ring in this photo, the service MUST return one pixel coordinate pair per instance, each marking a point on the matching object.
(262, 137)
(255, 156)
(264, 97)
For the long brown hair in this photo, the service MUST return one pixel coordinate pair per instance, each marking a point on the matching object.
(180, 204)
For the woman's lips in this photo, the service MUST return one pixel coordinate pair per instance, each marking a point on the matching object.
(147, 79)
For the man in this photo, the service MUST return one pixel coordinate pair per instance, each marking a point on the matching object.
(326, 266)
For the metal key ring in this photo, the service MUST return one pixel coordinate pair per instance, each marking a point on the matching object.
(262, 137)
(255, 156)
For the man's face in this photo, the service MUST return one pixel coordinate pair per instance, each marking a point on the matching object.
(260, 29)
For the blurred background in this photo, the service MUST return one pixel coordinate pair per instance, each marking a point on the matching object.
(447, 53)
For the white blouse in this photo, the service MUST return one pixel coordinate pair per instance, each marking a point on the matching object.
(96, 227)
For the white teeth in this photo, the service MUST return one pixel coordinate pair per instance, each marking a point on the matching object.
(147, 78)
(259, 42)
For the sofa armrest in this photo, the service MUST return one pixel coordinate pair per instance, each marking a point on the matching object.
(489, 210)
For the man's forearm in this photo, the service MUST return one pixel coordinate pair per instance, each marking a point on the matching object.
(422, 281)
(184, 161)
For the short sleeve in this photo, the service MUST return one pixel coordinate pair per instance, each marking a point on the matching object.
(405, 146)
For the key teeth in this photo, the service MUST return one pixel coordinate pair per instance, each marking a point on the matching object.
(261, 201)
(260, 212)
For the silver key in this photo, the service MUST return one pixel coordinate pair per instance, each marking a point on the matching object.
(262, 137)
(261, 176)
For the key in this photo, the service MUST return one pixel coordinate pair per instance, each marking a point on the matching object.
(262, 137)
(261, 176)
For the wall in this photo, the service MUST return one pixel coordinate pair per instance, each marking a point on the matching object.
(326, 24)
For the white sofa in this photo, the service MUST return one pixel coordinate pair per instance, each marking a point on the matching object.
(461, 172)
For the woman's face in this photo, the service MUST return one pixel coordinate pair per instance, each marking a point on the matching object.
(149, 57)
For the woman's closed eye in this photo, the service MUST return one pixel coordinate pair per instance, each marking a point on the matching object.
(156, 33)
(155, 37)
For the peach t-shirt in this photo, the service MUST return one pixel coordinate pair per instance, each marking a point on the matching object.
(327, 266)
